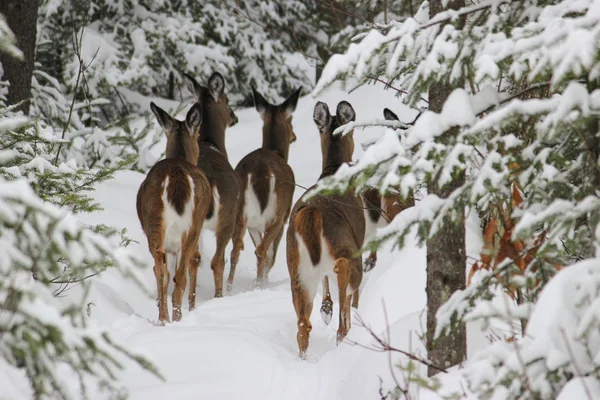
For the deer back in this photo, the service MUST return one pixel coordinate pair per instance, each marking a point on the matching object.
(174, 185)
(266, 169)
(338, 218)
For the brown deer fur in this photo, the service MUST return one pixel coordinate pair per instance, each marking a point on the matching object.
(325, 233)
(267, 187)
(498, 244)
(224, 181)
(380, 210)
(172, 203)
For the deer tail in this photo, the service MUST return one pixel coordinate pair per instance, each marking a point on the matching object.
(309, 224)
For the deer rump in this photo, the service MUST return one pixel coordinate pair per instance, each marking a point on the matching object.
(169, 192)
(325, 229)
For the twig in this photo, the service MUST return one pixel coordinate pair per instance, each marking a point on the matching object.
(286, 42)
(389, 85)
(77, 49)
(330, 5)
(576, 364)
(382, 346)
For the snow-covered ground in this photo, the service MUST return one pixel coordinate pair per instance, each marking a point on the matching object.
(244, 345)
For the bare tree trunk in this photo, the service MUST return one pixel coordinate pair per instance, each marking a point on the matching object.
(21, 16)
(446, 253)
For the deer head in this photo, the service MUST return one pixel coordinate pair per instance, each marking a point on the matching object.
(336, 149)
(278, 132)
(213, 96)
(182, 136)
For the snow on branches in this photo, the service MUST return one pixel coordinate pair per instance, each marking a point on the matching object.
(529, 117)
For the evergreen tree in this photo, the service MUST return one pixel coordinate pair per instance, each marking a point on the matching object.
(43, 248)
(527, 143)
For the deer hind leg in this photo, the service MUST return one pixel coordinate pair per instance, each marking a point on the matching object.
(342, 269)
(161, 273)
(188, 250)
(303, 304)
(237, 239)
(218, 261)
(190, 260)
(327, 304)
(272, 253)
(263, 261)
(193, 273)
(370, 262)
(356, 275)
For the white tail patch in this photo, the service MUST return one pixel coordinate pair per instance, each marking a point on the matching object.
(256, 219)
(176, 225)
(212, 222)
(312, 275)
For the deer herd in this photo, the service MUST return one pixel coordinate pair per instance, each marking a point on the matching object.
(195, 187)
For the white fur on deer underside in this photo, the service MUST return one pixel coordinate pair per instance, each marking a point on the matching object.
(371, 227)
(176, 225)
(256, 219)
(211, 223)
(312, 275)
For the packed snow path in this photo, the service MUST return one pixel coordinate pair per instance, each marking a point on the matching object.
(244, 345)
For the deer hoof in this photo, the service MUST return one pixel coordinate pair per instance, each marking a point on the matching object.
(340, 337)
(369, 265)
(326, 311)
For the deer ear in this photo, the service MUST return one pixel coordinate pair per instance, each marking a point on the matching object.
(345, 113)
(389, 115)
(193, 86)
(164, 119)
(321, 116)
(193, 119)
(260, 103)
(216, 85)
(289, 106)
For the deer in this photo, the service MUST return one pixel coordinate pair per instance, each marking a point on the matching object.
(326, 232)
(172, 203)
(224, 181)
(267, 187)
(380, 210)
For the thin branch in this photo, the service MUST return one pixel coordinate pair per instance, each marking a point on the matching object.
(330, 5)
(382, 345)
(77, 49)
(266, 29)
(576, 364)
(514, 96)
(449, 15)
(389, 85)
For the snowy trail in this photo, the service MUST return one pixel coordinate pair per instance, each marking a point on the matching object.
(244, 345)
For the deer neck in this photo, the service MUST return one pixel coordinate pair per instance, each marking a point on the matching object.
(176, 148)
(275, 138)
(334, 155)
(212, 130)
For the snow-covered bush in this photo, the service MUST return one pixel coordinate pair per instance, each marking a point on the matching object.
(146, 45)
(42, 248)
(526, 108)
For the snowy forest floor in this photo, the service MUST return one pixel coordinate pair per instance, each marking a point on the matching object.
(244, 345)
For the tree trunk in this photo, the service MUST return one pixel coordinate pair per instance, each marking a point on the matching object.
(21, 16)
(446, 253)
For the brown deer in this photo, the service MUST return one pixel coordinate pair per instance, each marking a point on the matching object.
(381, 210)
(267, 187)
(326, 232)
(172, 203)
(224, 181)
